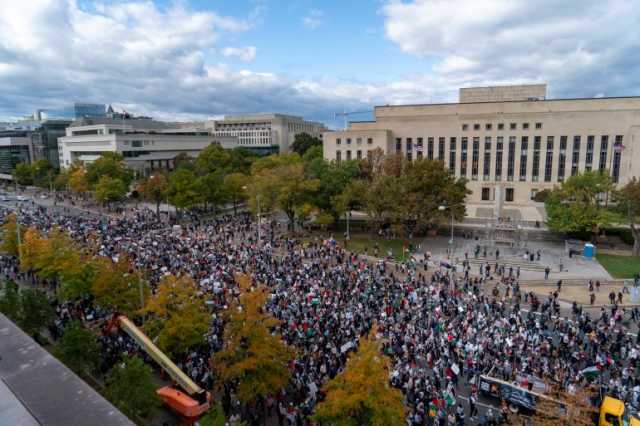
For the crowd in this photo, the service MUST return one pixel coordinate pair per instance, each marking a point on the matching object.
(441, 329)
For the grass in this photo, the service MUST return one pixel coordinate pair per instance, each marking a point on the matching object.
(620, 266)
(359, 242)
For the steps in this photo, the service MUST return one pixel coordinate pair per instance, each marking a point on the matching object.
(506, 262)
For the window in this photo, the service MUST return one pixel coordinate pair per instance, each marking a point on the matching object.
(537, 140)
(500, 126)
(538, 126)
(348, 155)
(575, 155)
(563, 143)
(441, 149)
(604, 145)
(370, 141)
(498, 169)
(475, 156)
(488, 126)
(509, 194)
(452, 155)
(359, 155)
(617, 156)
(338, 156)
(348, 142)
(136, 144)
(525, 126)
(486, 164)
(476, 126)
(513, 126)
(463, 156)
(589, 157)
(359, 141)
(430, 148)
(409, 144)
(511, 157)
(523, 158)
(409, 156)
(547, 166)
(398, 145)
(465, 127)
(499, 143)
(549, 143)
(486, 194)
(487, 143)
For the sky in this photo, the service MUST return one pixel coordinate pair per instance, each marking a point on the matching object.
(197, 59)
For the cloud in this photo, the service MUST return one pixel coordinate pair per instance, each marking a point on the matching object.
(313, 19)
(246, 54)
(581, 47)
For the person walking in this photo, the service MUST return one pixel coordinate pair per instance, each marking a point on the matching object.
(546, 273)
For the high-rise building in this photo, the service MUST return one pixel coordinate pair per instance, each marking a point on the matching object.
(508, 149)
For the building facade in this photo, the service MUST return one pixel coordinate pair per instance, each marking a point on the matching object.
(264, 133)
(145, 144)
(508, 150)
(15, 148)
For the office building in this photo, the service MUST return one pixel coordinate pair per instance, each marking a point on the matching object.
(144, 143)
(44, 140)
(509, 142)
(15, 148)
(263, 133)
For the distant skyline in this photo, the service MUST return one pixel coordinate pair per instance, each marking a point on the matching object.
(194, 59)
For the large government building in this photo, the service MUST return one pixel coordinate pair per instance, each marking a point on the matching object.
(509, 142)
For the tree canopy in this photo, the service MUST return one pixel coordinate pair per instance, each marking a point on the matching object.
(78, 348)
(627, 201)
(302, 142)
(130, 387)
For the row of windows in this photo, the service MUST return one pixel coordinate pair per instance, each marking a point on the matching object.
(523, 153)
(358, 141)
(500, 126)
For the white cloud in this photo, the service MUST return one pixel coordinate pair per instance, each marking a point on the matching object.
(578, 46)
(313, 19)
(246, 54)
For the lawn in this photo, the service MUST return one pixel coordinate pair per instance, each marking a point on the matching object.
(360, 242)
(620, 266)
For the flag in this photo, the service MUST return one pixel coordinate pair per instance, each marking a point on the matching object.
(449, 399)
(592, 371)
(618, 147)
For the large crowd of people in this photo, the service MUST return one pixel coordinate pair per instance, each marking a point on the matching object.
(441, 329)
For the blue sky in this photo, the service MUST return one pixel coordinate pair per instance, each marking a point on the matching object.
(194, 59)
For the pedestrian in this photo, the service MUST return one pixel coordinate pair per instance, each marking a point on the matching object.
(546, 273)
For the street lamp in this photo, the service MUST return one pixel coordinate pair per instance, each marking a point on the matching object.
(443, 208)
(258, 201)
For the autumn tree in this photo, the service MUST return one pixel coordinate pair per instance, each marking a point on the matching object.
(130, 387)
(253, 358)
(178, 316)
(109, 189)
(361, 395)
(576, 205)
(235, 184)
(154, 188)
(109, 164)
(118, 287)
(78, 179)
(78, 349)
(183, 190)
(561, 408)
(627, 201)
(10, 235)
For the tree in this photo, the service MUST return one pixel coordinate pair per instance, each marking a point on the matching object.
(577, 411)
(109, 189)
(627, 199)
(76, 279)
(241, 160)
(212, 189)
(10, 301)
(23, 174)
(37, 311)
(109, 164)
(179, 318)
(282, 183)
(183, 189)
(235, 184)
(361, 394)
(252, 357)
(212, 159)
(154, 188)
(303, 141)
(117, 286)
(78, 179)
(130, 387)
(78, 349)
(43, 172)
(576, 207)
(10, 235)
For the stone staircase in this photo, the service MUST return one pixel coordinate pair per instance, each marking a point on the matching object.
(507, 262)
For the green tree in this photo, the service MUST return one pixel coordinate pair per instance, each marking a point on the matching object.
(303, 141)
(183, 189)
(241, 160)
(361, 394)
(235, 184)
(575, 206)
(154, 188)
(109, 164)
(627, 201)
(130, 387)
(37, 311)
(78, 349)
(212, 159)
(253, 358)
(23, 174)
(10, 303)
(76, 279)
(10, 235)
(179, 318)
(212, 189)
(109, 189)
(117, 286)
(43, 173)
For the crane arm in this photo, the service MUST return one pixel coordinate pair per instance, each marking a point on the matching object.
(158, 356)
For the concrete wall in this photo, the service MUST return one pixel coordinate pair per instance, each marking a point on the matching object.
(503, 93)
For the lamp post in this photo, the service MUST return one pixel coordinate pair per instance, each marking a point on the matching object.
(443, 208)
(258, 202)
